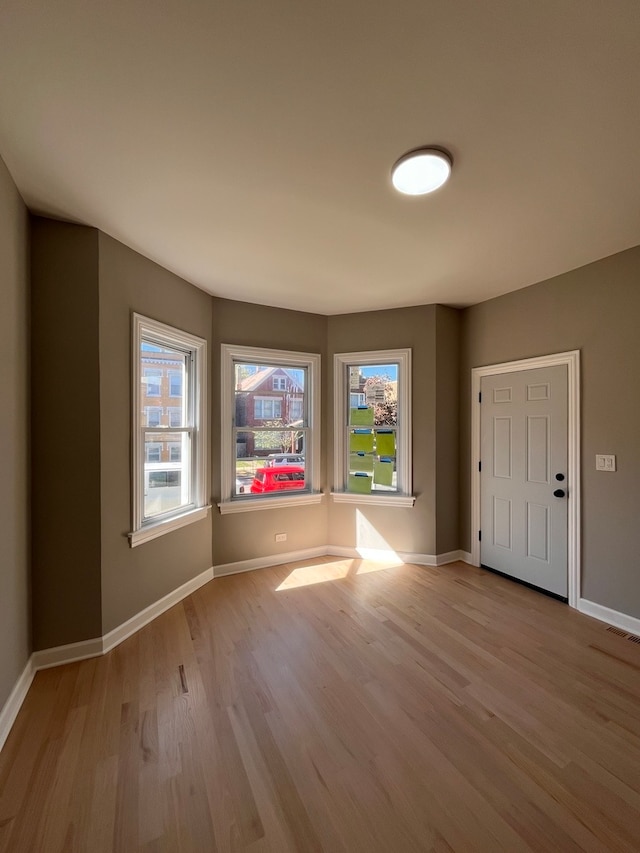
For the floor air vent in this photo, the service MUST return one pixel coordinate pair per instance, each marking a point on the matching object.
(620, 633)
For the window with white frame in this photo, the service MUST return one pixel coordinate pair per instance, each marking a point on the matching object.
(153, 451)
(175, 383)
(296, 409)
(175, 416)
(152, 378)
(169, 454)
(269, 432)
(372, 427)
(267, 408)
(153, 415)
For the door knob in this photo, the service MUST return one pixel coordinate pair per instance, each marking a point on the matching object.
(560, 477)
(559, 493)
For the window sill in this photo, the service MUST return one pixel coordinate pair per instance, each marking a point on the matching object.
(159, 528)
(250, 504)
(373, 500)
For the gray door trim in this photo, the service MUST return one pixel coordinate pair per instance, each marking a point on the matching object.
(572, 360)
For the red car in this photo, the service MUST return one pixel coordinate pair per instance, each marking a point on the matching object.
(277, 479)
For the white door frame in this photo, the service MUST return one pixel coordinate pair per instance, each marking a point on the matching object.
(572, 360)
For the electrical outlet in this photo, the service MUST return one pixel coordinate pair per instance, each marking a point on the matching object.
(281, 537)
(605, 462)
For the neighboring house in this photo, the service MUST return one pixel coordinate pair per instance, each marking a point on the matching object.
(162, 403)
(271, 397)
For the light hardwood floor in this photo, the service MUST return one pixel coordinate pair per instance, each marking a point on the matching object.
(397, 709)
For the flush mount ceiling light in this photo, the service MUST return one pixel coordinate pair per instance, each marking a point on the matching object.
(421, 171)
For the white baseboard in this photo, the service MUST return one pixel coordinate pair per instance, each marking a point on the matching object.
(382, 555)
(113, 638)
(401, 556)
(453, 557)
(67, 654)
(612, 617)
(9, 711)
(264, 562)
(72, 652)
(345, 552)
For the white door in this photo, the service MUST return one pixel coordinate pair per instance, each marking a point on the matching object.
(523, 476)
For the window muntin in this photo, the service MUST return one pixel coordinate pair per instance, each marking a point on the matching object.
(372, 424)
(169, 459)
(260, 423)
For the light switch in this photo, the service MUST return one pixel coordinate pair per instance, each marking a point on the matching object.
(605, 462)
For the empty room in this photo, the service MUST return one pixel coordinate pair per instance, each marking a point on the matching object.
(283, 569)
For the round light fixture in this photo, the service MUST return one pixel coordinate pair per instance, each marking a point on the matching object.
(421, 171)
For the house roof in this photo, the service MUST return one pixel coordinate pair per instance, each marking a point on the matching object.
(248, 146)
(256, 380)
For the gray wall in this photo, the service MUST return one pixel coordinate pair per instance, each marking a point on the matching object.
(595, 309)
(133, 578)
(447, 428)
(65, 423)
(14, 436)
(86, 579)
(244, 536)
(400, 529)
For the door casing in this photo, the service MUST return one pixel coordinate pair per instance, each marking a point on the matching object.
(572, 360)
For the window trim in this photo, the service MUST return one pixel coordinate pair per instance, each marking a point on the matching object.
(196, 348)
(231, 353)
(404, 496)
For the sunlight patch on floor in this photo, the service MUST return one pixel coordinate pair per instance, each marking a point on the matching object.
(317, 573)
(334, 571)
(373, 549)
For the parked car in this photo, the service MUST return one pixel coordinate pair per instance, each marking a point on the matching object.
(278, 478)
(274, 459)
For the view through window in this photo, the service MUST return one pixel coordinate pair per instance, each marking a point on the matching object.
(372, 426)
(271, 426)
(166, 432)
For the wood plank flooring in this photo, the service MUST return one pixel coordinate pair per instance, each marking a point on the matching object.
(342, 707)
